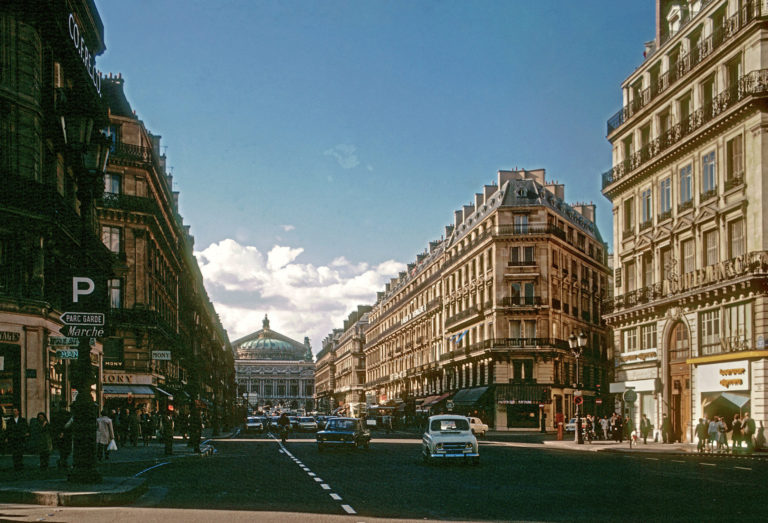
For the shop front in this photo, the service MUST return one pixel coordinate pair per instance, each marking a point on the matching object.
(476, 402)
(521, 406)
(723, 390)
(10, 373)
(135, 392)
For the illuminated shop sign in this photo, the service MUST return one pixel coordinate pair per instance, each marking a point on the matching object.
(89, 61)
(721, 377)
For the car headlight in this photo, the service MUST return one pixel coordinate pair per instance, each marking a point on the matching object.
(439, 446)
(468, 445)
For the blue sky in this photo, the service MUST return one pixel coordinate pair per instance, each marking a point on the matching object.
(318, 146)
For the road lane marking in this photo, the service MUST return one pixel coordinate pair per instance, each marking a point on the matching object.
(709, 464)
(677, 461)
(335, 497)
(348, 509)
(150, 468)
(319, 480)
(743, 468)
(652, 459)
(325, 486)
(312, 474)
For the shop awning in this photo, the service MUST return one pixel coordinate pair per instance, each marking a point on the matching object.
(523, 394)
(468, 397)
(739, 400)
(161, 392)
(137, 391)
(426, 401)
(435, 400)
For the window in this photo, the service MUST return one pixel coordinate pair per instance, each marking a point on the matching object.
(686, 184)
(630, 340)
(708, 179)
(521, 255)
(522, 329)
(115, 295)
(736, 238)
(647, 270)
(689, 261)
(710, 248)
(735, 162)
(737, 327)
(710, 331)
(629, 268)
(680, 348)
(665, 197)
(629, 214)
(110, 236)
(646, 207)
(667, 265)
(648, 336)
(521, 223)
(112, 183)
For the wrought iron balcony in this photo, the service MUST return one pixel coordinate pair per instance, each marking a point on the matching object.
(706, 47)
(708, 194)
(752, 84)
(128, 202)
(464, 315)
(520, 301)
(734, 181)
(665, 215)
(684, 206)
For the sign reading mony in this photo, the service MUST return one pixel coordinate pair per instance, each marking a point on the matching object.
(161, 355)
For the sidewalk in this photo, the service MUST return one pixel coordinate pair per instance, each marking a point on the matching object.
(641, 448)
(33, 486)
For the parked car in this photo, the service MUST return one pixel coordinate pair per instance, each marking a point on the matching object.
(254, 424)
(344, 432)
(294, 422)
(477, 427)
(273, 422)
(307, 424)
(449, 436)
(321, 421)
(571, 425)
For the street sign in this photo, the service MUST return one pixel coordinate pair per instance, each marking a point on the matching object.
(630, 396)
(578, 400)
(449, 405)
(67, 354)
(68, 341)
(598, 401)
(83, 319)
(164, 355)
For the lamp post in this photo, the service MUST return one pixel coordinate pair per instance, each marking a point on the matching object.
(577, 345)
(90, 159)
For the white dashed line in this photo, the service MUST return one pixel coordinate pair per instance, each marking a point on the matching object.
(348, 509)
(318, 480)
(652, 459)
(335, 497)
(677, 461)
(312, 474)
(743, 468)
(325, 486)
(709, 464)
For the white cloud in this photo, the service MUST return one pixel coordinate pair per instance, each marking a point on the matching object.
(345, 155)
(300, 299)
(288, 228)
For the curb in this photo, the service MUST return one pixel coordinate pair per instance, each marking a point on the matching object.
(125, 492)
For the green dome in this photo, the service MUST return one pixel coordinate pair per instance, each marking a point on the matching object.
(267, 344)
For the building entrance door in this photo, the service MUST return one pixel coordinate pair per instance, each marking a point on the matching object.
(679, 383)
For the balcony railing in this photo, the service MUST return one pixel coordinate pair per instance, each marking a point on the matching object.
(506, 343)
(684, 206)
(665, 215)
(463, 315)
(520, 301)
(752, 84)
(686, 62)
(128, 202)
(525, 263)
(734, 181)
(708, 194)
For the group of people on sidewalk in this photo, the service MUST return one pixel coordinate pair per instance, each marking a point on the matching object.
(712, 434)
(116, 428)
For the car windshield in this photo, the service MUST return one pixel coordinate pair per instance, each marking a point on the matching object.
(251, 420)
(306, 420)
(450, 424)
(342, 424)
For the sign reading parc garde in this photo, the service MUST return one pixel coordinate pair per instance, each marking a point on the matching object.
(88, 59)
(722, 377)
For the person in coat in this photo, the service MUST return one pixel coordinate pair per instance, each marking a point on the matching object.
(44, 440)
(736, 435)
(166, 431)
(104, 434)
(645, 428)
(17, 432)
(666, 429)
(133, 428)
(62, 434)
(701, 435)
(146, 427)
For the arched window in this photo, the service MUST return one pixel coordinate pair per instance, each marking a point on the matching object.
(679, 343)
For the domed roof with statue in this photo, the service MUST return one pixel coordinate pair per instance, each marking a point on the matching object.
(267, 344)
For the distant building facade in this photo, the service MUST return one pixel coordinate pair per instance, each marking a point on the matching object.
(274, 371)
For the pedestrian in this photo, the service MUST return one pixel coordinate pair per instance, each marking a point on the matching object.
(619, 428)
(645, 428)
(105, 433)
(146, 427)
(44, 440)
(760, 438)
(712, 433)
(133, 428)
(666, 429)
(166, 430)
(17, 432)
(736, 434)
(748, 431)
(722, 436)
(195, 430)
(701, 435)
(117, 425)
(61, 424)
(605, 425)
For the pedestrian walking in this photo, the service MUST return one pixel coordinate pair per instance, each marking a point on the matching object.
(17, 432)
(712, 434)
(195, 430)
(146, 427)
(701, 435)
(61, 424)
(605, 425)
(666, 429)
(133, 428)
(722, 436)
(166, 429)
(44, 440)
(748, 431)
(645, 428)
(736, 434)
(105, 433)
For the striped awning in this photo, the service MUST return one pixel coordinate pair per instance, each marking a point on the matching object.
(137, 391)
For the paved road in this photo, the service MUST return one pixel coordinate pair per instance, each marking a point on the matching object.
(516, 480)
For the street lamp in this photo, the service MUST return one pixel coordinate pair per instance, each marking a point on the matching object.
(577, 345)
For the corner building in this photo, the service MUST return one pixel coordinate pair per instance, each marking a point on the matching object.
(688, 186)
(478, 324)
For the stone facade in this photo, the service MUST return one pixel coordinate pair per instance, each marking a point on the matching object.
(688, 190)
